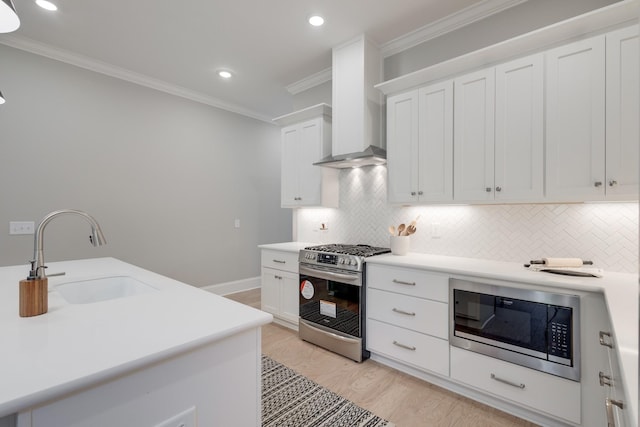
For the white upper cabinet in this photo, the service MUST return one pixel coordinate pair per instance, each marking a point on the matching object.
(473, 145)
(420, 145)
(302, 183)
(498, 136)
(592, 118)
(623, 111)
(519, 132)
(575, 121)
(559, 125)
(435, 124)
(402, 147)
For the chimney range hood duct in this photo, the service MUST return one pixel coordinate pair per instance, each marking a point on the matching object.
(372, 155)
(357, 106)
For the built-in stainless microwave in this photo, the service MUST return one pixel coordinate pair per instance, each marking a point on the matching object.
(539, 330)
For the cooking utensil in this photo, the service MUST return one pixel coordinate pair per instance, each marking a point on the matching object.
(410, 230)
(401, 228)
(392, 230)
(415, 221)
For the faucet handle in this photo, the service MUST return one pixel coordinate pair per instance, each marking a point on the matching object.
(32, 273)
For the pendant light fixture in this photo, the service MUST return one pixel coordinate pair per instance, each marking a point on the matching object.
(1, 98)
(9, 20)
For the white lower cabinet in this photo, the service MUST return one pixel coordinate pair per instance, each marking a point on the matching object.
(280, 286)
(614, 401)
(407, 317)
(539, 391)
(419, 350)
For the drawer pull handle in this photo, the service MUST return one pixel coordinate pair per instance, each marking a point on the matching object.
(605, 342)
(408, 347)
(608, 404)
(401, 282)
(493, 377)
(279, 261)
(408, 313)
(604, 379)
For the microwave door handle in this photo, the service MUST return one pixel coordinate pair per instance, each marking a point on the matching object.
(328, 275)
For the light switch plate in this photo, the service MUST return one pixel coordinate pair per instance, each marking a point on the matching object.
(22, 227)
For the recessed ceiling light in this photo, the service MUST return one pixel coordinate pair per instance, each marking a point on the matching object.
(316, 20)
(45, 4)
(225, 74)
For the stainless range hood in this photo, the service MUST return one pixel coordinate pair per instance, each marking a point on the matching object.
(372, 155)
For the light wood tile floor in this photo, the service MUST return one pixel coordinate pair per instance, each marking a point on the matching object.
(393, 395)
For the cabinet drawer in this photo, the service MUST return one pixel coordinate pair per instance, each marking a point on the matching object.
(542, 392)
(422, 351)
(421, 315)
(287, 261)
(417, 283)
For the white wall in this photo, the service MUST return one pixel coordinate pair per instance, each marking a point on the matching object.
(164, 176)
(606, 233)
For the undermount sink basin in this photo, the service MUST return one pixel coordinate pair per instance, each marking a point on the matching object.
(102, 289)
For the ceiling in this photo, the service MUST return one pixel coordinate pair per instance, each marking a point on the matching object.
(177, 46)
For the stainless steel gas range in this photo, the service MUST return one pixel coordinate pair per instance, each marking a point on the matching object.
(332, 297)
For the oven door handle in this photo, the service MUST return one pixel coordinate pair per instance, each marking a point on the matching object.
(329, 275)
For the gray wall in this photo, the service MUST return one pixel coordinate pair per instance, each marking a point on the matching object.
(165, 177)
(521, 19)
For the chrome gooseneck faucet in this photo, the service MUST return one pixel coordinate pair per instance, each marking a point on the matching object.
(37, 265)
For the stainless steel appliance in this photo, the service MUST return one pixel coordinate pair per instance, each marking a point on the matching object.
(332, 297)
(539, 330)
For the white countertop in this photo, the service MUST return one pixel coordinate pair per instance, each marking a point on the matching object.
(287, 246)
(620, 291)
(73, 346)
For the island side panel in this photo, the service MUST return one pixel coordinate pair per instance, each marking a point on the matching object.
(221, 380)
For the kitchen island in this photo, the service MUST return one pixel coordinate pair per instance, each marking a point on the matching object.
(173, 355)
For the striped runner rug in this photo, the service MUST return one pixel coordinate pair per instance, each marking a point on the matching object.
(292, 400)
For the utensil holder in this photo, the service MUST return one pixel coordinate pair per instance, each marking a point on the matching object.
(399, 245)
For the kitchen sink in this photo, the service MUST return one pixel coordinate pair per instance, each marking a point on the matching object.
(102, 289)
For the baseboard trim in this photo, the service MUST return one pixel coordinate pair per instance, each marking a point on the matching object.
(233, 287)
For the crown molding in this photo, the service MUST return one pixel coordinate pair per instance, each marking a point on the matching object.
(447, 24)
(32, 46)
(310, 81)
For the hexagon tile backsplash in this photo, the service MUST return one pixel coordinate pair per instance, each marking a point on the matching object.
(606, 233)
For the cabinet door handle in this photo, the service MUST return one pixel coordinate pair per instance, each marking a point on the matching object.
(507, 382)
(498, 189)
(613, 182)
(408, 313)
(408, 347)
(413, 193)
(402, 282)
(279, 261)
(604, 379)
(420, 193)
(277, 277)
(608, 404)
(597, 184)
(488, 189)
(603, 341)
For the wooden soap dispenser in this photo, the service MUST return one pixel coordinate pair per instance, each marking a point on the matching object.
(34, 294)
